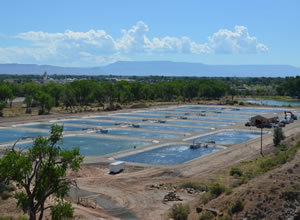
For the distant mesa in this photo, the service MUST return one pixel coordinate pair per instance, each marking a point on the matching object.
(165, 68)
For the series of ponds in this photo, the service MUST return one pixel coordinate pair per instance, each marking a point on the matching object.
(107, 134)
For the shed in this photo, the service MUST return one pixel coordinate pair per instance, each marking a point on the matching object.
(259, 119)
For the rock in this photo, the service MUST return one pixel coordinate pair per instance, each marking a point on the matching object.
(172, 196)
(199, 209)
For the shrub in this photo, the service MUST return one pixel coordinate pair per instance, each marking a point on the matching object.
(62, 210)
(22, 218)
(5, 195)
(278, 136)
(292, 193)
(238, 206)
(6, 218)
(216, 189)
(179, 211)
(235, 171)
(206, 197)
(206, 215)
(225, 217)
(194, 185)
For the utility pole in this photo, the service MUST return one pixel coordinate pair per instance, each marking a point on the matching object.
(261, 126)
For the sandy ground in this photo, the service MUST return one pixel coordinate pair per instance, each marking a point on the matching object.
(130, 189)
(127, 195)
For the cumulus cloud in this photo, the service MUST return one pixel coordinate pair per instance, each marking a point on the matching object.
(96, 47)
(239, 41)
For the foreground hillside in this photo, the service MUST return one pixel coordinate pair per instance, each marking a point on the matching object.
(272, 195)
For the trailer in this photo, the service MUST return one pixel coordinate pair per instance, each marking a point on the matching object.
(116, 167)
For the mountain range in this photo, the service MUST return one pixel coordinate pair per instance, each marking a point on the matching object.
(166, 68)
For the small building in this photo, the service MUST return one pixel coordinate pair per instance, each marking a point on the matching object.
(259, 119)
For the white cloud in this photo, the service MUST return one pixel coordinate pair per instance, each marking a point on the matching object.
(96, 47)
(227, 42)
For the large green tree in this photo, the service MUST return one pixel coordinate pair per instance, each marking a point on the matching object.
(40, 172)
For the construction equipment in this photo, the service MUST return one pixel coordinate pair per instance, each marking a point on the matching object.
(293, 116)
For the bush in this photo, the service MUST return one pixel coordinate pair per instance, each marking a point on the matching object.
(278, 136)
(238, 206)
(206, 215)
(62, 210)
(179, 211)
(206, 197)
(216, 189)
(22, 218)
(194, 185)
(5, 195)
(292, 193)
(235, 171)
(6, 218)
(224, 217)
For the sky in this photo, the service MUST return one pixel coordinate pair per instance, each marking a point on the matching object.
(84, 33)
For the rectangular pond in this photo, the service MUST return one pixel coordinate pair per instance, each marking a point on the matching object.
(174, 128)
(141, 115)
(48, 127)
(201, 118)
(164, 112)
(118, 119)
(96, 146)
(192, 123)
(228, 137)
(143, 134)
(86, 122)
(9, 134)
(168, 155)
(274, 102)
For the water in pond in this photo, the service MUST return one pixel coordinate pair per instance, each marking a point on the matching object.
(274, 102)
(234, 116)
(260, 110)
(7, 135)
(118, 119)
(200, 118)
(228, 137)
(96, 146)
(141, 116)
(174, 128)
(85, 122)
(211, 108)
(144, 134)
(168, 155)
(48, 127)
(164, 113)
(197, 123)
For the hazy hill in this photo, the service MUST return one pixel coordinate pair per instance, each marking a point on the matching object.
(157, 68)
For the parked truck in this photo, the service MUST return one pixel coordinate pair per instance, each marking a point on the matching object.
(116, 167)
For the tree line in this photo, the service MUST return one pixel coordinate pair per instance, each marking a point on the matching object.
(89, 92)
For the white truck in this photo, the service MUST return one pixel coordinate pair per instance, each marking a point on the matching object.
(116, 167)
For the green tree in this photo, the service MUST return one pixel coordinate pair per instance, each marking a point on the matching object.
(278, 136)
(28, 101)
(68, 97)
(45, 102)
(5, 94)
(40, 172)
(55, 91)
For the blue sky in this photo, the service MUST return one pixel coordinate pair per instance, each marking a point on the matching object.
(96, 32)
